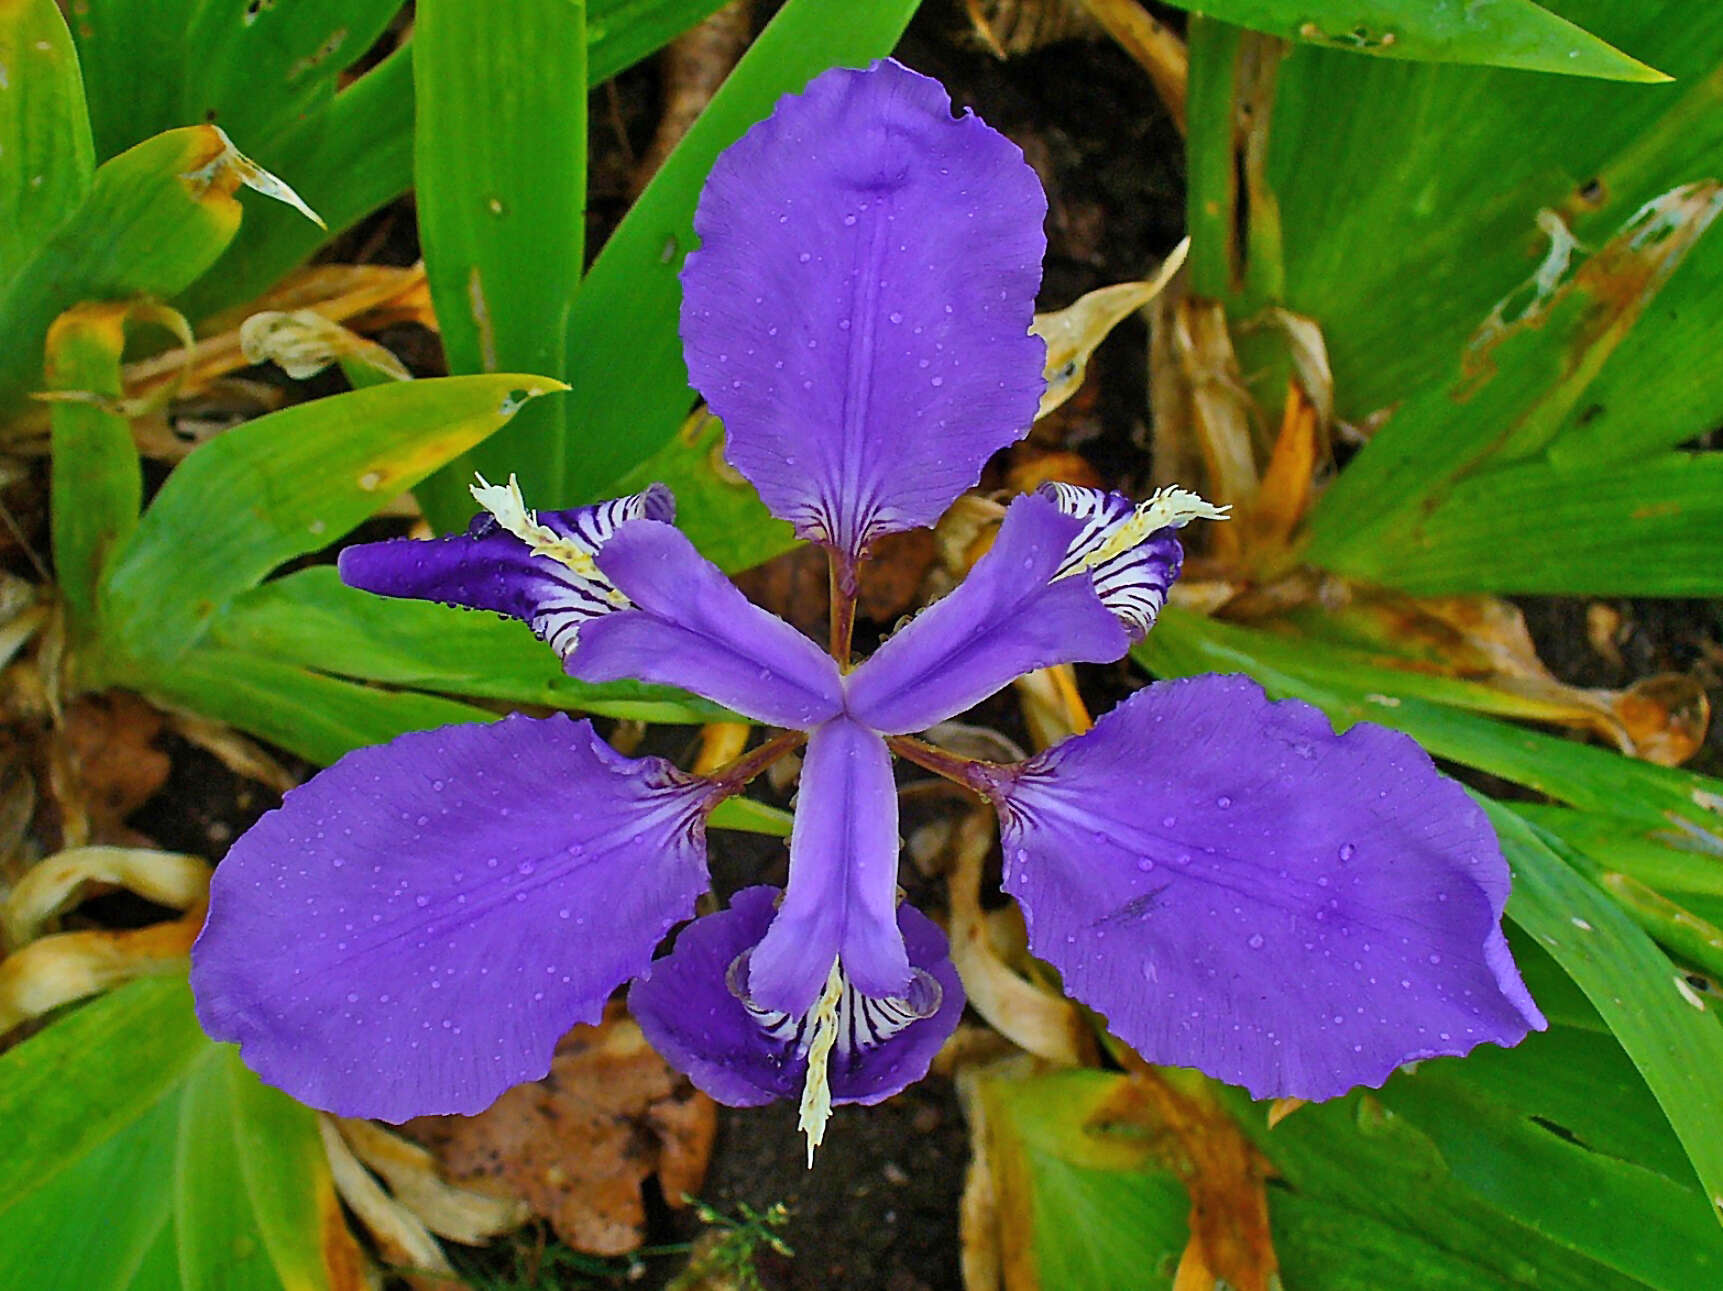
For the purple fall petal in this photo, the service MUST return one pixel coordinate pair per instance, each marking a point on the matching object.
(1007, 618)
(686, 1008)
(489, 568)
(1239, 889)
(842, 897)
(858, 311)
(415, 927)
(691, 627)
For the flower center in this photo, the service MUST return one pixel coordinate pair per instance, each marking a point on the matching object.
(1107, 535)
(508, 507)
(842, 1021)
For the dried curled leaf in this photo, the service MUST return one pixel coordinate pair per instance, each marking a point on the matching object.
(459, 1214)
(227, 168)
(302, 342)
(60, 882)
(1046, 1024)
(71, 965)
(1073, 333)
(401, 1239)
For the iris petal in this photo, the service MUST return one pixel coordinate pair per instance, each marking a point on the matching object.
(858, 311)
(493, 567)
(1010, 616)
(415, 927)
(1242, 890)
(842, 894)
(689, 626)
(694, 1019)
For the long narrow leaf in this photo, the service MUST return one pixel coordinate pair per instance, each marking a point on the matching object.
(1651, 528)
(154, 219)
(1498, 33)
(501, 186)
(96, 485)
(348, 160)
(313, 715)
(311, 619)
(283, 486)
(46, 157)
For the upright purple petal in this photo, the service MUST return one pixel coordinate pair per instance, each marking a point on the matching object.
(686, 1005)
(858, 311)
(842, 898)
(415, 927)
(1007, 618)
(689, 626)
(493, 567)
(1239, 889)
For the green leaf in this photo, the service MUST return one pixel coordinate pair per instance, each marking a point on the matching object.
(152, 65)
(1676, 1043)
(1369, 1202)
(46, 157)
(500, 179)
(630, 389)
(150, 224)
(1441, 477)
(1552, 1134)
(135, 1153)
(96, 484)
(316, 716)
(356, 155)
(349, 160)
(311, 619)
(1408, 201)
(1497, 33)
(286, 485)
(619, 33)
(1651, 528)
(751, 817)
(715, 507)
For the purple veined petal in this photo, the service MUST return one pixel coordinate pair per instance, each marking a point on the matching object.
(1241, 890)
(415, 927)
(689, 626)
(1128, 550)
(533, 566)
(1013, 614)
(843, 878)
(858, 311)
(688, 1006)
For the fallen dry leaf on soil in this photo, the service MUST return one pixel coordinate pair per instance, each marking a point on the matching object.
(577, 1145)
(111, 740)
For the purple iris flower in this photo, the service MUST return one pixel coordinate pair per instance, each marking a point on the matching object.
(1235, 886)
